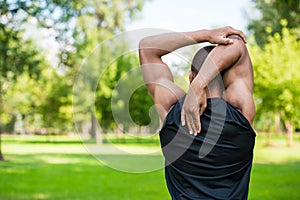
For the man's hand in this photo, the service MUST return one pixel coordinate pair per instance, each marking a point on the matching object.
(220, 35)
(193, 106)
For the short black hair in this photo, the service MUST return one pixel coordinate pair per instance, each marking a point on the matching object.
(200, 57)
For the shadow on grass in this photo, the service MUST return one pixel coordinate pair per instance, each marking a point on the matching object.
(56, 139)
(133, 140)
(51, 142)
(39, 139)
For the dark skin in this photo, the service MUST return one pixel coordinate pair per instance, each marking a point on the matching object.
(234, 60)
(231, 55)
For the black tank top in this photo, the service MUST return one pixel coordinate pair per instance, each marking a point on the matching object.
(215, 164)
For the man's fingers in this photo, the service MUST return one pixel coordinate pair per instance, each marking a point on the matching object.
(186, 119)
(192, 120)
(197, 124)
(202, 109)
(227, 40)
(191, 125)
(240, 33)
(182, 117)
(199, 130)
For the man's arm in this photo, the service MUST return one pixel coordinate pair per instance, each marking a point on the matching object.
(156, 74)
(221, 58)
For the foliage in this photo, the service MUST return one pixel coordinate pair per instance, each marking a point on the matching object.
(20, 66)
(122, 88)
(62, 17)
(77, 27)
(272, 12)
(276, 68)
(56, 108)
(43, 104)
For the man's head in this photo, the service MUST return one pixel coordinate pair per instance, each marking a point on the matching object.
(199, 59)
(216, 85)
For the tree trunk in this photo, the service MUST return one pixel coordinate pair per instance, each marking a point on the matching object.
(269, 133)
(289, 132)
(268, 141)
(93, 125)
(277, 124)
(99, 140)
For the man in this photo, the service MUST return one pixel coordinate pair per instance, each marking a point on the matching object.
(216, 163)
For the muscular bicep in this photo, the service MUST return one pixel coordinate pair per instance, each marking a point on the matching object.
(220, 58)
(225, 56)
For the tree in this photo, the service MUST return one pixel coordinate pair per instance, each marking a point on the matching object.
(16, 57)
(109, 18)
(131, 104)
(271, 14)
(77, 26)
(55, 108)
(276, 68)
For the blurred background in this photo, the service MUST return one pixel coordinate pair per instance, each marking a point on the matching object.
(46, 123)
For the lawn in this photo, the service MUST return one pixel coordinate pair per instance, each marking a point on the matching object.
(60, 167)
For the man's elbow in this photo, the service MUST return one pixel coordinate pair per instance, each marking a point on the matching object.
(148, 51)
(142, 50)
(144, 43)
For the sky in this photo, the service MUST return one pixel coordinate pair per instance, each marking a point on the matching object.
(188, 15)
(179, 15)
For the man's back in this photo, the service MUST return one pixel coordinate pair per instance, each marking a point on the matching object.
(216, 164)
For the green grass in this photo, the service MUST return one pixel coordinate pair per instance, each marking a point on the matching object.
(276, 170)
(60, 167)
